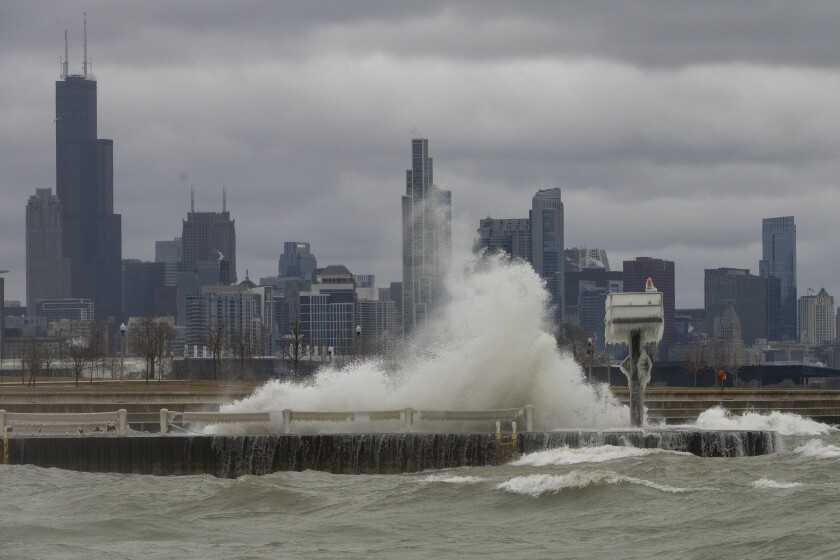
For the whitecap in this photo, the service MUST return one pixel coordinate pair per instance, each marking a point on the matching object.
(452, 479)
(765, 482)
(818, 450)
(574, 456)
(537, 485)
(785, 423)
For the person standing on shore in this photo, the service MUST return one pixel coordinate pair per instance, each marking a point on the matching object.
(721, 375)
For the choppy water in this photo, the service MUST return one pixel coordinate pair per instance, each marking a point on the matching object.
(602, 502)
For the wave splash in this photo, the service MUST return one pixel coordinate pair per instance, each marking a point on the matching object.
(490, 347)
(818, 450)
(785, 423)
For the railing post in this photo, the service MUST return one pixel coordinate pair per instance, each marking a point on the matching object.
(409, 419)
(287, 421)
(529, 418)
(122, 415)
(498, 430)
(3, 420)
(513, 429)
(164, 421)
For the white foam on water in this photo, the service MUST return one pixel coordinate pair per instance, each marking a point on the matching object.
(818, 450)
(785, 423)
(490, 347)
(537, 485)
(574, 456)
(452, 479)
(765, 482)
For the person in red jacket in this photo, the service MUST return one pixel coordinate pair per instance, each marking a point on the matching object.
(721, 375)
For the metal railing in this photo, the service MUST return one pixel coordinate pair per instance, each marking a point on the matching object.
(407, 416)
(117, 419)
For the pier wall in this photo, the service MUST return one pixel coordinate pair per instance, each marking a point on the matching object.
(233, 456)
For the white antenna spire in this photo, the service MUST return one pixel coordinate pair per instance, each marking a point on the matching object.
(192, 199)
(64, 64)
(85, 62)
(224, 199)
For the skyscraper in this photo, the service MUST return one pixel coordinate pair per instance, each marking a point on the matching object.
(47, 269)
(208, 236)
(141, 281)
(510, 235)
(744, 292)
(169, 253)
(636, 273)
(2, 309)
(297, 261)
(778, 260)
(547, 246)
(585, 258)
(816, 318)
(85, 186)
(427, 238)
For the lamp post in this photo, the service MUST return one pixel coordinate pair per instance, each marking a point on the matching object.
(122, 357)
(590, 353)
(358, 339)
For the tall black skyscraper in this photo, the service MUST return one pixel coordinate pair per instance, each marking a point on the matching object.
(85, 186)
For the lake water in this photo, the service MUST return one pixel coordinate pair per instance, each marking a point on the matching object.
(599, 502)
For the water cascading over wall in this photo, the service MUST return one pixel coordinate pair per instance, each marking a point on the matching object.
(233, 456)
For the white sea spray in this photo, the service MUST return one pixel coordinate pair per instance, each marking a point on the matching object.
(785, 423)
(490, 347)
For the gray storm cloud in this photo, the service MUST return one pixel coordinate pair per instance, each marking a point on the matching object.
(671, 130)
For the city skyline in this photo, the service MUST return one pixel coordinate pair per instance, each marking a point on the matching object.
(711, 139)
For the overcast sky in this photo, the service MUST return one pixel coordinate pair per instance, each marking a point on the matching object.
(671, 128)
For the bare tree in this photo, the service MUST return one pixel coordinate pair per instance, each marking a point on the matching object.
(757, 360)
(733, 362)
(111, 366)
(150, 340)
(243, 350)
(292, 349)
(214, 337)
(81, 356)
(695, 359)
(34, 356)
(572, 339)
(716, 354)
(52, 353)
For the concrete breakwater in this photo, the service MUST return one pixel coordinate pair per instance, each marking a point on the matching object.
(233, 456)
(680, 405)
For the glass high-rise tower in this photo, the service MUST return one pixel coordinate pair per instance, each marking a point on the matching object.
(547, 246)
(778, 261)
(47, 269)
(427, 238)
(92, 238)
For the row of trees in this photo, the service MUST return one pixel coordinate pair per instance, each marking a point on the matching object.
(150, 338)
(713, 354)
(78, 355)
(239, 344)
